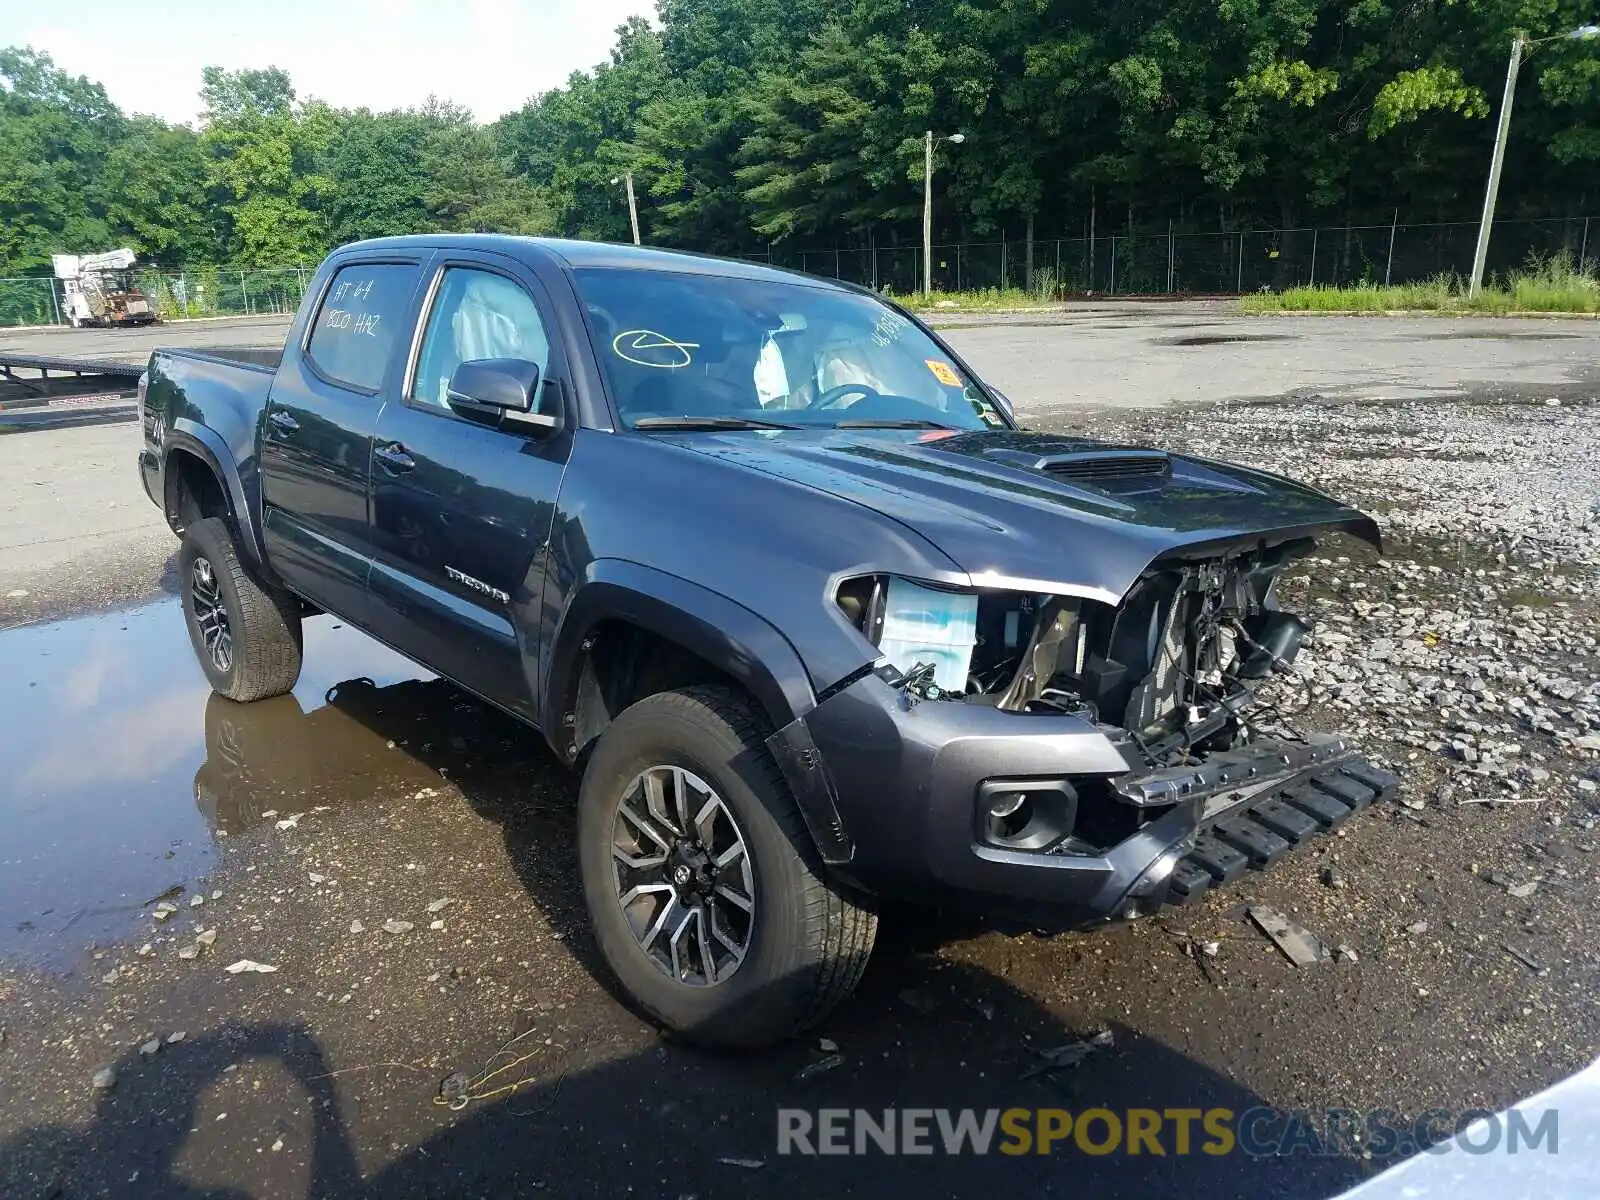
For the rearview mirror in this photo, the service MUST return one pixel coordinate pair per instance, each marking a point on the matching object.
(502, 393)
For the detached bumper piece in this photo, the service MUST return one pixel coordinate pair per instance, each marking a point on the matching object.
(1261, 830)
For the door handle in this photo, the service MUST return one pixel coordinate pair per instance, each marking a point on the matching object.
(394, 457)
(282, 421)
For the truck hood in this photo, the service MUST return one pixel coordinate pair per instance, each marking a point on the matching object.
(1042, 512)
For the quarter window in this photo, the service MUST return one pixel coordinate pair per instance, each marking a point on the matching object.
(360, 322)
(476, 315)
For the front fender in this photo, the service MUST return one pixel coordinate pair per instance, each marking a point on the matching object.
(729, 636)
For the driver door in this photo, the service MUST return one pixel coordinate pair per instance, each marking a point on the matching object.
(462, 513)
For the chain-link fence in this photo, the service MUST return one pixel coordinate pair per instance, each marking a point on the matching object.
(1143, 263)
(176, 296)
(1174, 262)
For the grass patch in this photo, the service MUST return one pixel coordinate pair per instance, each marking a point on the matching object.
(1045, 293)
(1550, 284)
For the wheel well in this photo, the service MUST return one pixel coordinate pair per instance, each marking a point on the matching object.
(193, 491)
(621, 664)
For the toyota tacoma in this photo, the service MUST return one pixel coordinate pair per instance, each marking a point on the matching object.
(761, 557)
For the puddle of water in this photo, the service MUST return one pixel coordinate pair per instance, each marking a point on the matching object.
(1218, 339)
(123, 769)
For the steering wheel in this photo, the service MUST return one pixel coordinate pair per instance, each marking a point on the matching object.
(831, 397)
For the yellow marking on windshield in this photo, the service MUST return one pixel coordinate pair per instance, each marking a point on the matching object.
(646, 348)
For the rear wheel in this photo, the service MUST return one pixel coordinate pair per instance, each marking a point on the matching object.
(700, 879)
(246, 635)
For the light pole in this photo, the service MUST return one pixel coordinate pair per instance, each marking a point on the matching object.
(928, 143)
(633, 207)
(1497, 159)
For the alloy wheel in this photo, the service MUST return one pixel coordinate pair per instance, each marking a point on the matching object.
(683, 876)
(211, 614)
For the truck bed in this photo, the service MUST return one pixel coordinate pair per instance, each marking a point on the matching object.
(257, 358)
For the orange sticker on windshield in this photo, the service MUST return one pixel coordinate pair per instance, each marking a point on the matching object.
(943, 372)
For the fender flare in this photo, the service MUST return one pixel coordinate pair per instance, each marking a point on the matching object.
(726, 634)
(207, 445)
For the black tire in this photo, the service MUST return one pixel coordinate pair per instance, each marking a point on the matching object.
(808, 943)
(261, 624)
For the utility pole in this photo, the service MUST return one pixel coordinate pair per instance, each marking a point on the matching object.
(928, 142)
(633, 206)
(927, 214)
(1480, 255)
(1518, 45)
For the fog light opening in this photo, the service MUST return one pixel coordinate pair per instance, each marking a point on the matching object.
(1025, 814)
(1009, 815)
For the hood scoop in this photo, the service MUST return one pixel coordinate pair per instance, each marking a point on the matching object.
(1112, 465)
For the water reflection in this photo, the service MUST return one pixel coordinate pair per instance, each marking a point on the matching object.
(105, 734)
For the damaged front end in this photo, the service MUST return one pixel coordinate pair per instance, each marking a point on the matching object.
(1215, 777)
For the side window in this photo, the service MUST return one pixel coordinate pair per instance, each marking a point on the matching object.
(476, 314)
(360, 322)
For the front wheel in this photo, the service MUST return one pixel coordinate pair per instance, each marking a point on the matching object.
(246, 636)
(700, 879)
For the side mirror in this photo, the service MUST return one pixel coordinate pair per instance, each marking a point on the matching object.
(502, 393)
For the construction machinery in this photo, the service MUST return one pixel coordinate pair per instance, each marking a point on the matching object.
(98, 289)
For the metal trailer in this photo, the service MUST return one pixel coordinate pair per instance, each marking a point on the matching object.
(39, 390)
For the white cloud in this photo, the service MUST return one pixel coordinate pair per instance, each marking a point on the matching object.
(490, 55)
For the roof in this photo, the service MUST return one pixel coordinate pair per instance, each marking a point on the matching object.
(577, 255)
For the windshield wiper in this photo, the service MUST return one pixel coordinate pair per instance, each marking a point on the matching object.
(708, 423)
(891, 423)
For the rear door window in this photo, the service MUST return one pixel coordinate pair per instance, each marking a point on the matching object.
(360, 322)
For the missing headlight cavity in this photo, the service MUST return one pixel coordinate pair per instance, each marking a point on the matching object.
(1173, 665)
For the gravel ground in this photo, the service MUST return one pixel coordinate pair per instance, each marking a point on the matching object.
(1460, 917)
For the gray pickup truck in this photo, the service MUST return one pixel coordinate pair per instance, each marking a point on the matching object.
(762, 558)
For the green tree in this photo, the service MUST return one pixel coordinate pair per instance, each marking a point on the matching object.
(470, 187)
(56, 130)
(379, 174)
(155, 187)
(263, 150)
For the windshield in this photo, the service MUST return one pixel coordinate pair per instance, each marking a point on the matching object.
(679, 349)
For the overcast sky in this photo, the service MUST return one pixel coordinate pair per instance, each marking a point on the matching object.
(490, 55)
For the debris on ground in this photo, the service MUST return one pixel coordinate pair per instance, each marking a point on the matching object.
(1526, 959)
(357, 927)
(163, 910)
(918, 999)
(1523, 890)
(749, 1164)
(1417, 928)
(104, 1079)
(1060, 1058)
(438, 905)
(818, 1067)
(150, 1047)
(206, 938)
(246, 964)
(289, 822)
(1300, 947)
(397, 927)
